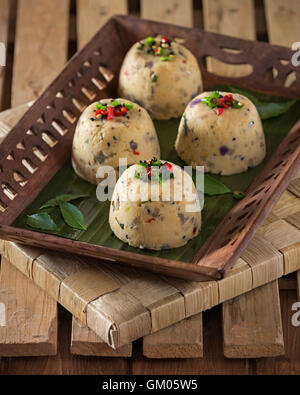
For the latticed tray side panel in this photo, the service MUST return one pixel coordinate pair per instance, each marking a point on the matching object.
(41, 142)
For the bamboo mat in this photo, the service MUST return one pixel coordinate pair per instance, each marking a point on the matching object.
(249, 272)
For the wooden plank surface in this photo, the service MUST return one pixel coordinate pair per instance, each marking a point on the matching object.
(4, 26)
(252, 326)
(283, 21)
(232, 18)
(169, 11)
(181, 340)
(29, 316)
(92, 15)
(290, 363)
(64, 363)
(41, 44)
(213, 361)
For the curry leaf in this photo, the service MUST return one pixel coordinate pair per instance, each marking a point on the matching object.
(41, 221)
(272, 110)
(62, 198)
(72, 215)
(214, 187)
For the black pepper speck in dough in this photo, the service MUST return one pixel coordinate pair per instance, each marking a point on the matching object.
(226, 144)
(102, 143)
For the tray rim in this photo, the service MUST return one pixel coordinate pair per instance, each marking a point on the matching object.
(196, 270)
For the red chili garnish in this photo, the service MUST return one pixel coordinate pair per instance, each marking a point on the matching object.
(194, 230)
(220, 111)
(110, 113)
(165, 40)
(228, 98)
(221, 102)
(148, 169)
(150, 220)
(135, 152)
(184, 61)
(100, 113)
(169, 166)
(120, 111)
(126, 73)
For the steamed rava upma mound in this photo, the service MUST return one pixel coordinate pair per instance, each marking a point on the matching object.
(144, 215)
(161, 75)
(222, 132)
(109, 130)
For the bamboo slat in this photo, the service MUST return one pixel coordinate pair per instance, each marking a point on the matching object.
(4, 24)
(294, 219)
(86, 342)
(286, 238)
(169, 11)
(41, 44)
(233, 18)
(28, 316)
(287, 205)
(198, 296)
(265, 261)
(181, 340)
(92, 15)
(165, 304)
(252, 324)
(235, 282)
(294, 187)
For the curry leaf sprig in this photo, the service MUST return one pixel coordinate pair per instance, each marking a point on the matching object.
(70, 213)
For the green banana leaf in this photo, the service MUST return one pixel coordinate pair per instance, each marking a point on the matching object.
(215, 207)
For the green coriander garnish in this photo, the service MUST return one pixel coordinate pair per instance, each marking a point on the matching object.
(161, 48)
(150, 41)
(216, 100)
(155, 170)
(129, 106)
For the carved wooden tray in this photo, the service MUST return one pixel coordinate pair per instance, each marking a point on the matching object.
(41, 142)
